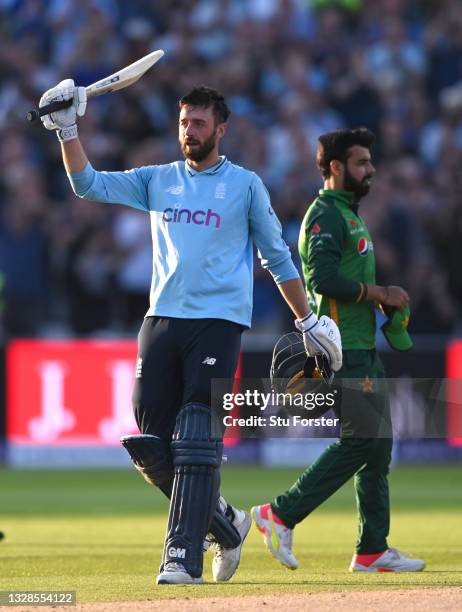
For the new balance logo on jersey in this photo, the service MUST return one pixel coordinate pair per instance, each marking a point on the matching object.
(177, 553)
(175, 189)
(199, 217)
(209, 361)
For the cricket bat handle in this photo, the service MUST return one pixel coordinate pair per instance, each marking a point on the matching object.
(53, 107)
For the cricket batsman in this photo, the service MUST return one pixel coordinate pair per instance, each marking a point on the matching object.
(205, 213)
(339, 272)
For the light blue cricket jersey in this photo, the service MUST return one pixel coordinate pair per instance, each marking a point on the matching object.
(202, 225)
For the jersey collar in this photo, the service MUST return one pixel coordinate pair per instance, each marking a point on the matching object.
(344, 198)
(212, 170)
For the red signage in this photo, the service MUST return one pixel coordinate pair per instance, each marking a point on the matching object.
(70, 392)
(73, 392)
(454, 374)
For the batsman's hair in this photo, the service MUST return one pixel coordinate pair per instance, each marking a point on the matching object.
(337, 145)
(206, 97)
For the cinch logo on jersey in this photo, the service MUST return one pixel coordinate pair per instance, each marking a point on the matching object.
(199, 217)
(363, 246)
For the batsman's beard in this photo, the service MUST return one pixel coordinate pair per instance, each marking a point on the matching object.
(359, 188)
(199, 153)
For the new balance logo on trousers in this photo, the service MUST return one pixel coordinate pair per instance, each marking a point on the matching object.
(209, 361)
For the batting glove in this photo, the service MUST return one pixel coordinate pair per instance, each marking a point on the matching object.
(64, 121)
(321, 336)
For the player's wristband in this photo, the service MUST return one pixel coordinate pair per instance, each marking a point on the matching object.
(306, 323)
(67, 133)
(362, 297)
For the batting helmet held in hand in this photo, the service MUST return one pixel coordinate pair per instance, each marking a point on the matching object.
(291, 368)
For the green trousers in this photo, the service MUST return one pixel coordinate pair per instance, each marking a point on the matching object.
(363, 451)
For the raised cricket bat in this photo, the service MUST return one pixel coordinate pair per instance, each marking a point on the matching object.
(125, 77)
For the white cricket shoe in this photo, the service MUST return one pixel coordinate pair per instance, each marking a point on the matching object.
(226, 560)
(278, 538)
(175, 573)
(392, 560)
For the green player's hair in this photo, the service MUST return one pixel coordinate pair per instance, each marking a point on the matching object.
(207, 97)
(337, 145)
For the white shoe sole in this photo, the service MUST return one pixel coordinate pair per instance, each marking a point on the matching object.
(379, 570)
(267, 536)
(178, 578)
(244, 528)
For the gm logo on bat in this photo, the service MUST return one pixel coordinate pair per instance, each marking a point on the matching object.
(114, 79)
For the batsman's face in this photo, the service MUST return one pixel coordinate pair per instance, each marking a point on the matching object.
(199, 134)
(358, 171)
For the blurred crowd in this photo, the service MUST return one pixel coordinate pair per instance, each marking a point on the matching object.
(291, 70)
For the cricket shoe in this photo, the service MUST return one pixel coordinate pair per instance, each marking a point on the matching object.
(392, 560)
(226, 560)
(278, 538)
(175, 573)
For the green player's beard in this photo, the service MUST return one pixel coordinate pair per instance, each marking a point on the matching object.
(202, 151)
(359, 188)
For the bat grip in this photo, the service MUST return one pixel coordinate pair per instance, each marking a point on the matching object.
(53, 107)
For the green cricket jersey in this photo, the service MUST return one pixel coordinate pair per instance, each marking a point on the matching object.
(338, 261)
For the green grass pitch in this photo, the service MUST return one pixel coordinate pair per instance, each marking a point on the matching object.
(100, 533)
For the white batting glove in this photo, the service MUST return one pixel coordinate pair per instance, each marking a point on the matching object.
(64, 121)
(321, 336)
